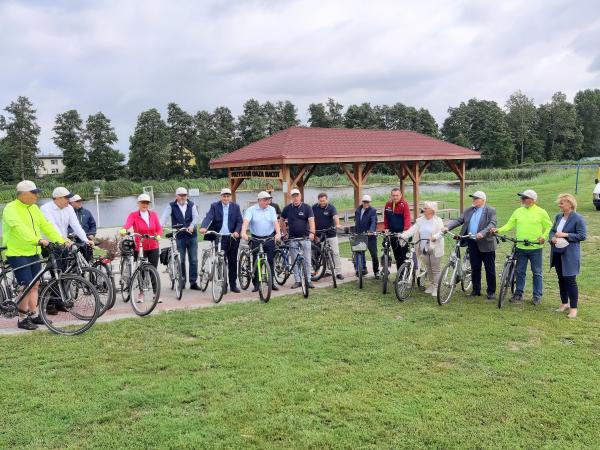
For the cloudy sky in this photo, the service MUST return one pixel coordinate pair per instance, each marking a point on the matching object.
(122, 57)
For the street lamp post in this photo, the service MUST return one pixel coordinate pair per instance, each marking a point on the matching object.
(97, 193)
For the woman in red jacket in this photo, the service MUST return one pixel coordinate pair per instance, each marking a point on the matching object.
(144, 221)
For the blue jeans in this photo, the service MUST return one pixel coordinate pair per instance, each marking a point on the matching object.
(189, 246)
(535, 258)
(306, 247)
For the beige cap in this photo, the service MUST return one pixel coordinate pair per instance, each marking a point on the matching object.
(478, 194)
(75, 198)
(28, 186)
(295, 191)
(529, 193)
(61, 192)
(144, 198)
(263, 194)
(181, 191)
(225, 191)
(366, 198)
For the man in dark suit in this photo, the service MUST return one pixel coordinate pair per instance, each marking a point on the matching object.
(478, 220)
(225, 217)
(365, 219)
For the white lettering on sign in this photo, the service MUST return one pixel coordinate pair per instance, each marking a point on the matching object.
(256, 174)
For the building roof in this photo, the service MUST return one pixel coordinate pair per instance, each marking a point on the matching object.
(300, 145)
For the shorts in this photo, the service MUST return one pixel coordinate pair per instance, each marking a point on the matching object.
(25, 275)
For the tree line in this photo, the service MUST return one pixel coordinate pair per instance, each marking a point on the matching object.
(183, 144)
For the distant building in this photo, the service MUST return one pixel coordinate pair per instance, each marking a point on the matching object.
(51, 165)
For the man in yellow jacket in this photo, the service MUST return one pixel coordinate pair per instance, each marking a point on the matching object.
(533, 224)
(22, 227)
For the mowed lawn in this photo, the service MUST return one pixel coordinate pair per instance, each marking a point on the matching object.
(343, 369)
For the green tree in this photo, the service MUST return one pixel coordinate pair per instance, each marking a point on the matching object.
(182, 139)
(587, 103)
(69, 137)
(223, 126)
(20, 145)
(149, 147)
(326, 116)
(287, 115)
(252, 124)
(559, 129)
(521, 116)
(103, 161)
(363, 116)
(426, 124)
(334, 113)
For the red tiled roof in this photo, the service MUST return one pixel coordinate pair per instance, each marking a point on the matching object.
(298, 145)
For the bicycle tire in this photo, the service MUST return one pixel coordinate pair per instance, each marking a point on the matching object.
(101, 281)
(303, 277)
(125, 280)
(281, 274)
(108, 271)
(385, 272)
(178, 278)
(505, 281)
(204, 275)
(144, 276)
(446, 284)
(359, 269)
(466, 281)
(85, 318)
(264, 283)
(318, 265)
(244, 268)
(403, 285)
(331, 264)
(218, 280)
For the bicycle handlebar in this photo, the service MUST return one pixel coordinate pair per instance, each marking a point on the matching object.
(505, 238)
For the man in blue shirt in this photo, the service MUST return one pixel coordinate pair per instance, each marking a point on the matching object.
(365, 219)
(87, 222)
(225, 217)
(327, 218)
(300, 224)
(261, 221)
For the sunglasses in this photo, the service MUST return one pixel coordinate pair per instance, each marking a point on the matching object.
(145, 202)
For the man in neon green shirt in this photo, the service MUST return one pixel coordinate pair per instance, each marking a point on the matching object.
(533, 224)
(22, 227)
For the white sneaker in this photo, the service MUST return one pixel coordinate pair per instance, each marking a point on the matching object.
(428, 290)
(434, 291)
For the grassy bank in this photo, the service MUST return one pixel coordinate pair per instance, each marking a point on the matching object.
(346, 368)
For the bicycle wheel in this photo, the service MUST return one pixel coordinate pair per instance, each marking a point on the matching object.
(317, 259)
(125, 281)
(446, 284)
(385, 271)
(204, 275)
(359, 269)
(420, 279)
(466, 282)
(145, 289)
(244, 268)
(264, 280)
(506, 282)
(78, 296)
(103, 285)
(404, 284)
(331, 265)
(105, 268)
(218, 280)
(279, 267)
(303, 277)
(178, 277)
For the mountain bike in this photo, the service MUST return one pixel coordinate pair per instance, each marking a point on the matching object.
(281, 261)
(213, 267)
(508, 279)
(322, 258)
(386, 260)
(174, 262)
(458, 269)
(249, 269)
(283, 267)
(358, 245)
(410, 272)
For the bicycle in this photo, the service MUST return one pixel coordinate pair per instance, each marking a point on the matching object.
(410, 272)
(213, 268)
(248, 269)
(322, 257)
(143, 278)
(458, 269)
(386, 260)
(508, 278)
(76, 295)
(283, 267)
(358, 245)
(173, 262)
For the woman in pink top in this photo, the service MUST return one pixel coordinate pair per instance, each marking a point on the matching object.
(144, 221)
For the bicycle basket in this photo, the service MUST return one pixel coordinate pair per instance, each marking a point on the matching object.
(126, 247)
(358, 243)
(165, 253)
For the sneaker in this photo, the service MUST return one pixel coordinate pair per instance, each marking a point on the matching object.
(274, 287)
(296, 285)
(428, 290)
(195, 287)
(235, 290)
(491, 297)
(26, 324)
(339, 276)
(61, 307)
(536, 300)
(255, 289)
(517, 298)
(38, 320)
(377, 276)
(474, 294)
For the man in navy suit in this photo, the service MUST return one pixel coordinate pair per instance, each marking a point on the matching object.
(365, 219)
(225, 217)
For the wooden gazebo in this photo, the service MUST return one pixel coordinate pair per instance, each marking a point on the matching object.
(292, 155)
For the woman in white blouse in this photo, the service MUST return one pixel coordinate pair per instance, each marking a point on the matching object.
(429, 226)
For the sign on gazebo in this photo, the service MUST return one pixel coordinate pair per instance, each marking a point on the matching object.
(256, 174)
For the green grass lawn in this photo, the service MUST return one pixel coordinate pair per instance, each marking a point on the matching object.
(342, 369)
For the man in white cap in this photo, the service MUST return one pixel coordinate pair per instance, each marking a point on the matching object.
(261, 221)
(300, 224)
(225, 217)
(22, 227)
(478, 220)
(365, 220)
(85, 218)
(532, 224)
(184, 215)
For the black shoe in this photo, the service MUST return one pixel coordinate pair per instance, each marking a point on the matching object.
(274, 288)
(26, 324)
(536, 301)
(356, 274)
(339, 276)
(296, 285)
(255, 289)
(313, 278)
(376, 276)
(365, 271)
(195, 287)
(61, 308)
(474, 294)
(516, 298)
(51, 310)
(311, 286)
(235, 289)
(38, 320)
(491, 297)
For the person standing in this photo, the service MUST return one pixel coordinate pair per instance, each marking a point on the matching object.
(225, 217)
(568, 230)
(300, 224)
(327, 218)
(261, 221)
(478, 220)
(365, 220)
(22, 227)
(184, 216)
(145, 221)
(532, 223)
(61, 214)
(396, 219)
(87, 222)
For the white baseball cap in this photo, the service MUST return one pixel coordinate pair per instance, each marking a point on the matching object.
(143, 198)
(478, 194)
(225, 191)
(366, 198)
(61, 192)
(529, 193)
(263, 194)
(28, 186)
(561, 243)
(295, 191)
(181, 191)
(76, 198)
